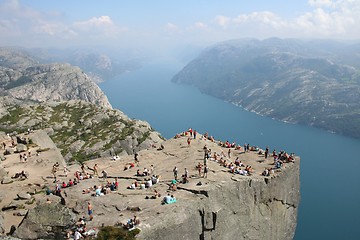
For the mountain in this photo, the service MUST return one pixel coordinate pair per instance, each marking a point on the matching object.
(23, 77)
(100, 65)
(312, 82)
(64, 100)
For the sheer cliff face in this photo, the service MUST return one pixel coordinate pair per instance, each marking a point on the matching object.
(240, 208)
(24, 79)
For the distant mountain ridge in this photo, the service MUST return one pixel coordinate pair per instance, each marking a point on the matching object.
(97, 64)
(23, 77)
(313, 82)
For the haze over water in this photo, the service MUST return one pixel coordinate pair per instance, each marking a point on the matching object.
(330, 164)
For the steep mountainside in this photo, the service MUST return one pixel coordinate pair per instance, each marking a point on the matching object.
(81, 130)
(308, 82)
(21, 77)
(73, 109)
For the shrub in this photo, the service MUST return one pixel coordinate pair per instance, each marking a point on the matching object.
(116, 233)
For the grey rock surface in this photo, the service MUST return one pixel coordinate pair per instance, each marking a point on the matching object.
(2, 229)
(45, 221)
(24, 196)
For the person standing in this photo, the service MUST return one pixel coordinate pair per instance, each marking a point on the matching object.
(206, 170)
(175, 171)
(66, 170)
(90, 211)
(266, 152)
(95, 169)
(136, 157)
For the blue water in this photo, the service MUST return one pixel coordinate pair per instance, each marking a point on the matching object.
(330, 165)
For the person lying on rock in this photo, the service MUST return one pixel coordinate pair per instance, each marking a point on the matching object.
(20, 175)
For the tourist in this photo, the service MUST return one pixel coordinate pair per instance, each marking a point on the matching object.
(83, 168)
(206, 170)
(104, 174)
(95, 170)
(77, 235)
(65, 171)
(199, 168)
(90, 211)
(175, 171)
(188, 141)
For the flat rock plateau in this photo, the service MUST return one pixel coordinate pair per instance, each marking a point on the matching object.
(224, 206)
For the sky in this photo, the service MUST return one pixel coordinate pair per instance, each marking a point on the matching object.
(168, 24)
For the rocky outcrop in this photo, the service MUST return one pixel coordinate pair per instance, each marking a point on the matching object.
(46, 221)
(240, 209)
(3, 173)
(23, 79)
(81, 130)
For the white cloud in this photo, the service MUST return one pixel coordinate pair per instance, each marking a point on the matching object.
(263, 18)
(222, 21)
(172, 27)
(338, 19)
(199, 25)
(28, 26)
(95, 22)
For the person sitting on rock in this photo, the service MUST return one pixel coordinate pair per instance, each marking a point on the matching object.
(138, 173)
(104, 174)
(146, 172)
(98, 192)
(148, 183)
(132, 186)
(70, 183)
(132, 222)
(156, 195)
(128, 166)
(169, 199)
(173, 185)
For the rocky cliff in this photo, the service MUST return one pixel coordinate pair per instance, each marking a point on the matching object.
(23, 78)
(221, 206)
(81, 130)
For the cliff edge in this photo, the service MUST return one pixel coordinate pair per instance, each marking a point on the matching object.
(221, 205)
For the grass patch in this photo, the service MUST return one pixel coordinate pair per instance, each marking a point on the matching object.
(42, 150)
(116, 233)
(13, 116)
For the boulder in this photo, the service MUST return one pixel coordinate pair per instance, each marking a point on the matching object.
(8, 151)
(11, 206)
(3, 173)
(47, 221)
(24, 196)
(6, 180)
(21, 148)
(76, 146)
